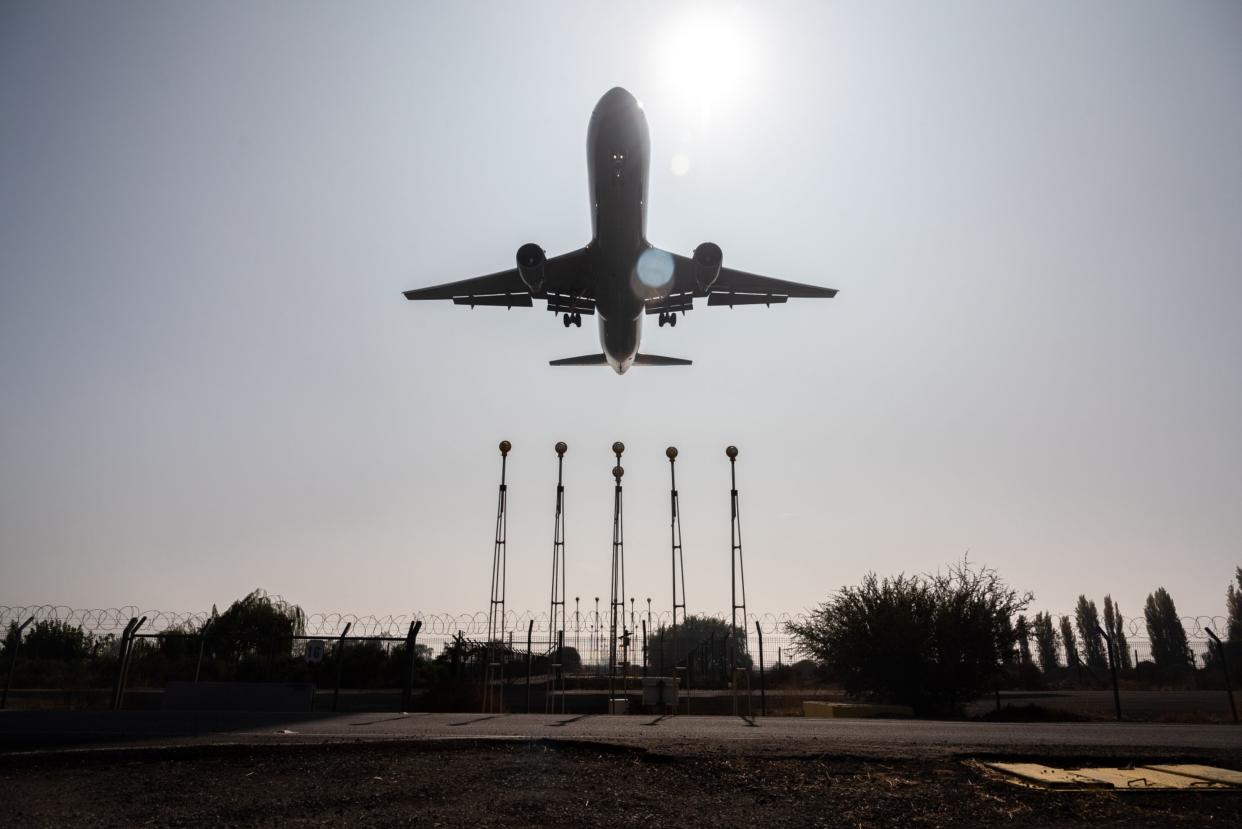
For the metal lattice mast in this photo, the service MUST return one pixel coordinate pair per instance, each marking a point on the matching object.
(556, 608)
(616, 600)
(496, 606)
(678, 560)
(738, 574)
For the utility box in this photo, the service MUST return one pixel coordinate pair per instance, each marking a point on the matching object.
(620, 705)
(660, 691)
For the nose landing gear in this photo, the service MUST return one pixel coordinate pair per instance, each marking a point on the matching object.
(574, 319)
(668, 318)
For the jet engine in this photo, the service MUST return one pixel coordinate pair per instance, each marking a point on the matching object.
(530, 262)
(707, 259)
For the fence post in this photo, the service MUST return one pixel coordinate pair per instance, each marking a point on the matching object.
(122, 674)
(411, 647)
(202, 645)
(763, 692)
(530, 658)
(120, 660)
(1112, 668)
(17, 643)
(340, 663)
(1220, 648)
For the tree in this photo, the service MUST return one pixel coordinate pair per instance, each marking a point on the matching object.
(1071, 644)
(1169, 648)
(1046, 642)
(1022, 631)
(1233, 601)
(1115, 625)
(1233, 642)
(255, 624)
(697, 634)
(931, 642)
(1087, 618)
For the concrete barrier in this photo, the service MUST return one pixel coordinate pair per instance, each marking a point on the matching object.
(854, 710)
(239, 696)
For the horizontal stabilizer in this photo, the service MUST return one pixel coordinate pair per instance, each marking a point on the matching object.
(584, 360)
(657, 360)
(639, 360)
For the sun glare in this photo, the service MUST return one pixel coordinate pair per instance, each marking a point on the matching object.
(706, 56)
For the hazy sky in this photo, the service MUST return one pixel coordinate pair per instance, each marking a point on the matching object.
(209, 380)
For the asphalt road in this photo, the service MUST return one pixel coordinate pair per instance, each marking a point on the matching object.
(773, 736)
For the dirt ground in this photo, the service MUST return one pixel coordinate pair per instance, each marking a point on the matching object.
(541, 784)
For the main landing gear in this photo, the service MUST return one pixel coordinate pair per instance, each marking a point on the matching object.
(571, 319)
(668, 318)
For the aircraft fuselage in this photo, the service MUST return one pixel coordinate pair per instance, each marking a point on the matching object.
(619, 160)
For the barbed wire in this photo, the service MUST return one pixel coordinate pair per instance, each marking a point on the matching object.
(106, 621)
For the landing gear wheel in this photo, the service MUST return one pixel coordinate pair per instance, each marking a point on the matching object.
(672, 319)
(578, 319)
(663, 319)
(565, 320)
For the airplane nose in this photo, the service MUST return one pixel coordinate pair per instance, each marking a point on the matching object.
(617, 98)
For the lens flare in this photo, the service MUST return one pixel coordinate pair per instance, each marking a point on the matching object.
(654, 268)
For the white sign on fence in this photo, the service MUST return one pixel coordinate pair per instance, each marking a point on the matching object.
(314, 650)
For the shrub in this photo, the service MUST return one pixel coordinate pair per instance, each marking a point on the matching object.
(932, 642)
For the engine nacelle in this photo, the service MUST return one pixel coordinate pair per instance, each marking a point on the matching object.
(707, 259)
(530, 262)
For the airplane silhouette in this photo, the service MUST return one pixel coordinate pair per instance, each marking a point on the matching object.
(618, 275)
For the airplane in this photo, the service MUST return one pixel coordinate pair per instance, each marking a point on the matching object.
(619, 276)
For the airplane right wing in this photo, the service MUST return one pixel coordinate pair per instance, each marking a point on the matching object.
(567, 287)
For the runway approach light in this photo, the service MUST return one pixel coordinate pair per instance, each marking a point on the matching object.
(617, 472)
(505, 446)
(561, 448)
(671, 452)
(731, 452)
(618, 448)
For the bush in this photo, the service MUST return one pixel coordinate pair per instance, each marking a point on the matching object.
(931, 642)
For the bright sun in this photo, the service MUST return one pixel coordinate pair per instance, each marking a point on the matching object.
(706, 56)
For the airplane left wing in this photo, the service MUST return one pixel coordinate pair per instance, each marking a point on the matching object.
(566, 286)
(732, 287)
